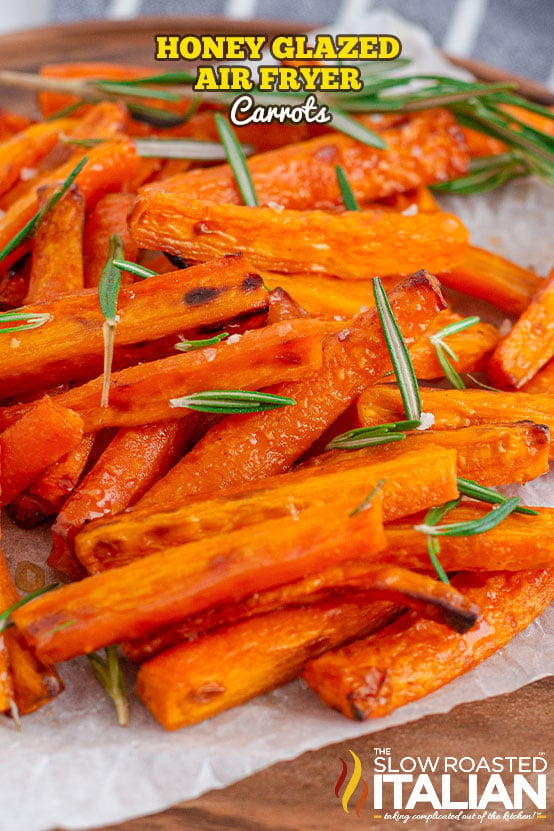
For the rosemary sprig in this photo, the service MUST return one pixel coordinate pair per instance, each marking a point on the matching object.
(369, 499)
(371, 436)
(31, 320)
(109, 674)
(237, 161)
(432, 517)
(400, 357)
(444, 352)
(470, 488)
(348, 198)
(29, 229)
(231, 402)
(347, 125)
(108, 291)
(486, 174)
(474, 526)
(5, 622)
(186, 345)
(133, 268)
(208, 151)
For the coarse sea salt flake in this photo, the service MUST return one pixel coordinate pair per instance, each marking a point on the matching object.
(233, 339)
(426, 421)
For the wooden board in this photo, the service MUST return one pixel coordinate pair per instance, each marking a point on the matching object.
(299, 795)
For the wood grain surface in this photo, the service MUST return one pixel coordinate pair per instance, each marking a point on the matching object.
(299, 795)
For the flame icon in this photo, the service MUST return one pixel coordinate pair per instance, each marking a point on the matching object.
(353, 783)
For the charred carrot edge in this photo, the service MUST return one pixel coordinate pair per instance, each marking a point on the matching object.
(378, 241)
(131, 463)
(46, 495)
(460, 408)
(390, 583)
(142, 394)
(350, 363)
(164, 588)
(31, 445)
(60, 231)
(205, 295)
(495, 279)
(520, 542)
(426, 148)
(375, 676)
(115, 542)
(108, 217)
(529, 345)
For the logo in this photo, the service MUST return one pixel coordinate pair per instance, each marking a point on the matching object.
(496, 789)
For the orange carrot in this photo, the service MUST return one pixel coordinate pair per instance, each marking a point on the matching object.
(25, 149)
(107, 218)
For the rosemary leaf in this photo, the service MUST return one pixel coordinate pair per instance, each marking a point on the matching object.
(348, 198)
(108, 291)
(237, 161)
(231, 402)
(164, 78)
(472, 527)
(369, 499)
(344, 124)
(433, 516)
(185, 149)
(190, 345)
(33, 321)
(450, 373)
(5, 622)
(133, 268)
(470, 488)
(118, 88)
(400, 357)
(156, 116)
(110, 676)
(444, 351)
(371, 436)
(29, 229)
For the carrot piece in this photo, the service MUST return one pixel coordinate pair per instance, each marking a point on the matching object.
(28, 447)
(169, 586)
(520, 542)
(46, 495)
(543, 381)
(284, 352)
(529, 345)
(231, 665)
(478, 144)
(490, 454)
(426, 148)
(8, 596)
(108, 217)
(178, 301)
(12, 123)
(418, 199)
(352, 360)
(13, 284)
(472, 347)
(492, 278)
(57, 258)
(413, 656)
(118, 541)
(110, 166)
(379, 242)
(459, 408)
(132, 462)
(25, 149)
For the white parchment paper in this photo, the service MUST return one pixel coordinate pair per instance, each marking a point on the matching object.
(73, 767)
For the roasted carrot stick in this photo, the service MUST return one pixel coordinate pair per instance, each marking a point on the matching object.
(492, 278)
(170, 303)
(426, 148)
(25, 149)
(398, 585)
(351, 362)
(107, 218)
(236, 663)
(12, 123)
(490, 454)
(132, 462)
(459, 408)
(46, 495)
(380, 242)
(472, 347)
(520, 542)
(110, 166)
(8, 596)
(111, 543)
(530, 343)
(231, 665)
(413, 657)
(57, 248)
(40, 437)
(543, 381)
(169, 586)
